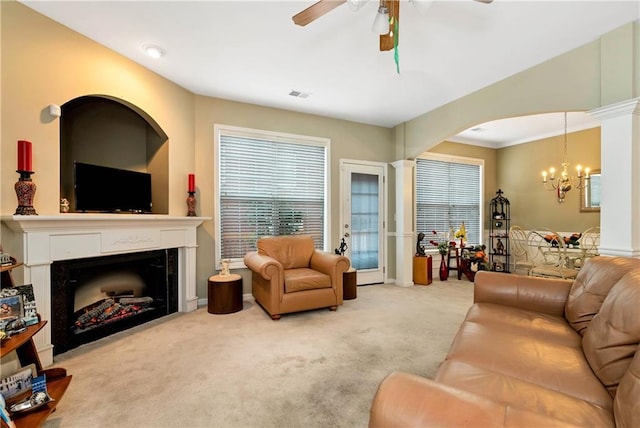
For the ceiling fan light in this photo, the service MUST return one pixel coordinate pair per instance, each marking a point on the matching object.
(381, 21)
(355, 5)
(422, 6)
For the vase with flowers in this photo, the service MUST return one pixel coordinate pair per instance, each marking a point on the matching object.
(461, 234)
(442, 243)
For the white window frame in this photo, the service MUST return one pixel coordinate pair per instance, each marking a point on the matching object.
(452, 159)
(220, 129)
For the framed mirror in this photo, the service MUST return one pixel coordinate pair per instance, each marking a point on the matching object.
(590, 196)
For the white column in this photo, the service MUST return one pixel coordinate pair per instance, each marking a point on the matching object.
(188, 279)
(620, 164)
(405, 234)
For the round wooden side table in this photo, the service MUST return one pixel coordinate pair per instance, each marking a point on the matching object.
(349, 284)
(224, 294)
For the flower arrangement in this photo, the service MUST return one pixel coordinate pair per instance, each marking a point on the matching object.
(462, 232)
(440, 240)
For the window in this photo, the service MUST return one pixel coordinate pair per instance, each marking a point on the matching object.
(448, 192)
(268, 184)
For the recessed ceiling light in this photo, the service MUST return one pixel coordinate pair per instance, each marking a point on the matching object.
(153, 51)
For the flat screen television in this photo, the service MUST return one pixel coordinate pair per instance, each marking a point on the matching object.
(103, 189)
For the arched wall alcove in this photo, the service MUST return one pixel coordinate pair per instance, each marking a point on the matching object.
(107, 131)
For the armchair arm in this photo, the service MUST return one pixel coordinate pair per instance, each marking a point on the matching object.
(547, 295)
(265, 266)
(330, 264)
(405, 400)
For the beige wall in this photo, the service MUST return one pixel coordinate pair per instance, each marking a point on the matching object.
(490, 166)
(519, 175)
(517, 171)
(594, 75)
(349, 140)
(76, 66)
(45, 63)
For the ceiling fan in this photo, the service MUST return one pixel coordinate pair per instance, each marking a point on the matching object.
(388, 12)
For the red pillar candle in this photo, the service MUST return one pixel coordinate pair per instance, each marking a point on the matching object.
(192, 183)
(24, 155)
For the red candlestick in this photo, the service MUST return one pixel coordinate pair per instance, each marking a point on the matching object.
(24, 155)
(192, 183)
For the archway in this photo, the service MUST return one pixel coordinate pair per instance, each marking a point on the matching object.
(107, 131)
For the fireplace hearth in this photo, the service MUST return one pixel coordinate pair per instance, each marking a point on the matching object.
(95, 297)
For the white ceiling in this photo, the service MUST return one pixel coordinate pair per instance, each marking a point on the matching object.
(519, 130)
(251, 51)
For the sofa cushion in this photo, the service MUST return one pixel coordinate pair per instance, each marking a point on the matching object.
(612, 339)
(591, 287)
(530, 358)
(626, 406)
(305, 279)
(524, 322)
(291, 251)
(523, 395)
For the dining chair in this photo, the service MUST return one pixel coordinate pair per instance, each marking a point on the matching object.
(520, 250)
(589, 242)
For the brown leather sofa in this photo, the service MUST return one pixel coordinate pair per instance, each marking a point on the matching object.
(289, 275)
(533, 352)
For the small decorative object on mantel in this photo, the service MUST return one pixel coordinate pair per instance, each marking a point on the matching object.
(224, 271)
(191, 199)
(25, 188)
(64, 205)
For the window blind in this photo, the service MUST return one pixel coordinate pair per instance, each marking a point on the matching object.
(447, 194)
(269, 188)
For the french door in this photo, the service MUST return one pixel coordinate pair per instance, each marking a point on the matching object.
(363, 217)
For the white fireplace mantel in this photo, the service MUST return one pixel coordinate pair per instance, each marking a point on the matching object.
(38, 241)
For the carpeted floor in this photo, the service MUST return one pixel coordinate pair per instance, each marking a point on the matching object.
(311, 369)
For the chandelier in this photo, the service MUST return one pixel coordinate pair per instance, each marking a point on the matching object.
(565, 182)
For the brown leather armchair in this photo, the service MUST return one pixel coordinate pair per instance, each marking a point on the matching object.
(289, 275)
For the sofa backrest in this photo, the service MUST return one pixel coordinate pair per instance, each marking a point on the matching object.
(626, 408)
(612, 339)
(591, 287)
(292, 251)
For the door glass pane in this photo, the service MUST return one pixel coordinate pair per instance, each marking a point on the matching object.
(364, 221)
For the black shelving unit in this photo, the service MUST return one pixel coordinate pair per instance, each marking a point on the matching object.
(499, 248)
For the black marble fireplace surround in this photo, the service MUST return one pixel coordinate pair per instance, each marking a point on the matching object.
(151, 276)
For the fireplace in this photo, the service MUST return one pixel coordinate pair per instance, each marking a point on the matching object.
(41, 241)
(95, 297)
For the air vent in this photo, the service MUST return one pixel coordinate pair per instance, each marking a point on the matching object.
(299, 94)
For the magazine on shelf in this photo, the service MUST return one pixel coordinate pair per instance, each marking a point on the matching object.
(18, 383)
(18, 302)
(10, 309)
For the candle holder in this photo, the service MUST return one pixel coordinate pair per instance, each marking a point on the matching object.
(191, 204)
(25, 191)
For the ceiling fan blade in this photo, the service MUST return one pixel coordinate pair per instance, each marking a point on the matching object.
(485, 1)
(315, 11)
(387, 40)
